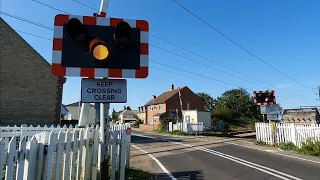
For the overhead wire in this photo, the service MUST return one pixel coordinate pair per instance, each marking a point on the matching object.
(50, 6)
(237, 44)
(156, 62)
(190, 72)
(168, 66)
(47, 27)
(37, 24)
(259, 84)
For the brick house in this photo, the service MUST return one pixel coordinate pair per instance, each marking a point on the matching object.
(168, 103)
(29, 93)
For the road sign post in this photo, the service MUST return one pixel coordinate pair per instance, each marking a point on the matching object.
(104, 90)
(268, 105)
(272, 117)
(270, 109)
(96, 46)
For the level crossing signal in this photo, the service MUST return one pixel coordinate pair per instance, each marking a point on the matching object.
(264, 97)
(86, 46)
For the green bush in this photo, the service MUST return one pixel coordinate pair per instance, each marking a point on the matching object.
(138, 122)
(310, 147)
(260, 143)
(136, 174)
(178, 132)
(3, 173)
(164, 124)
(289, 146)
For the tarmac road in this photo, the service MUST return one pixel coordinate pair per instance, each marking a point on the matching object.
(215, 159)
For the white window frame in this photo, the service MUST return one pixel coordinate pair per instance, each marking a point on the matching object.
(151, 107)
(160, 106)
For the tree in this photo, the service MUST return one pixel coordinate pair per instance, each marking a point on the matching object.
(240, 106)
(224, 115)
(208, 100)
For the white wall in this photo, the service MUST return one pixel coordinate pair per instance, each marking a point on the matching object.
(192, 114)
(198, 116)
(74, 110)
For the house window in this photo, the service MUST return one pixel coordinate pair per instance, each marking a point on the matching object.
(160, 106)
(188, 106)
(151, 107)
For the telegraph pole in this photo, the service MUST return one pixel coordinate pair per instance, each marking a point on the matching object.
(318, 94)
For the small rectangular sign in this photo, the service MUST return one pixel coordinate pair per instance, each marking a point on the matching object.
(272, 116)
(270, 109)
(103, 90)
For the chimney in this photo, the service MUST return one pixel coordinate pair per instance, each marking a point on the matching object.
(172, 87)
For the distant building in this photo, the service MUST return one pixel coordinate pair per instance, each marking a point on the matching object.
(196, 116)
(64, 111)
(168, 104)
(127, 115)
(74, 112)
(301, 116)
(142, 113)
(29, 93)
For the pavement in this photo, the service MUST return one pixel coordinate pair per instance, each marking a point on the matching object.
(202, 158)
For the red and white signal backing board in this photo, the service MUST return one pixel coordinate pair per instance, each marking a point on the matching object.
(58, 70)
(264, 103)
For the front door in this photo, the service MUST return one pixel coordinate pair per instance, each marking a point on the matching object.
(188, 119)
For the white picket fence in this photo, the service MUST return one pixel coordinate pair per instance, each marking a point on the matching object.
(34, 153)
(190, 128)
(282, 133)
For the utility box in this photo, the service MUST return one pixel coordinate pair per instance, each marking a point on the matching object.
(197, 116)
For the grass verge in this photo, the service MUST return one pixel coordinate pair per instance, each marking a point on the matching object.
(178, 132)
(137, 174)
(309, 147)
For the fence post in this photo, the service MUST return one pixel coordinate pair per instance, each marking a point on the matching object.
(128, 148)
(30, 171)
(123, 155)
(257, 131)
(21, 158)
(293, 134)
(114, 154)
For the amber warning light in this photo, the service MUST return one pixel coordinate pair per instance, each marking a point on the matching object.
(78, 33)
(99, 49)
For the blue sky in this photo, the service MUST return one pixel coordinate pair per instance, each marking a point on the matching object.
(283, 33)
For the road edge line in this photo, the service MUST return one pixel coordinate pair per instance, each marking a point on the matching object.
(302, 159)
(157, 161)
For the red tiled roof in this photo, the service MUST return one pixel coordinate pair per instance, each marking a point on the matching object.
(164, 96)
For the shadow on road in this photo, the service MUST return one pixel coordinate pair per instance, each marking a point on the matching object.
(233, 136)
(144, 140)
(185, 175)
